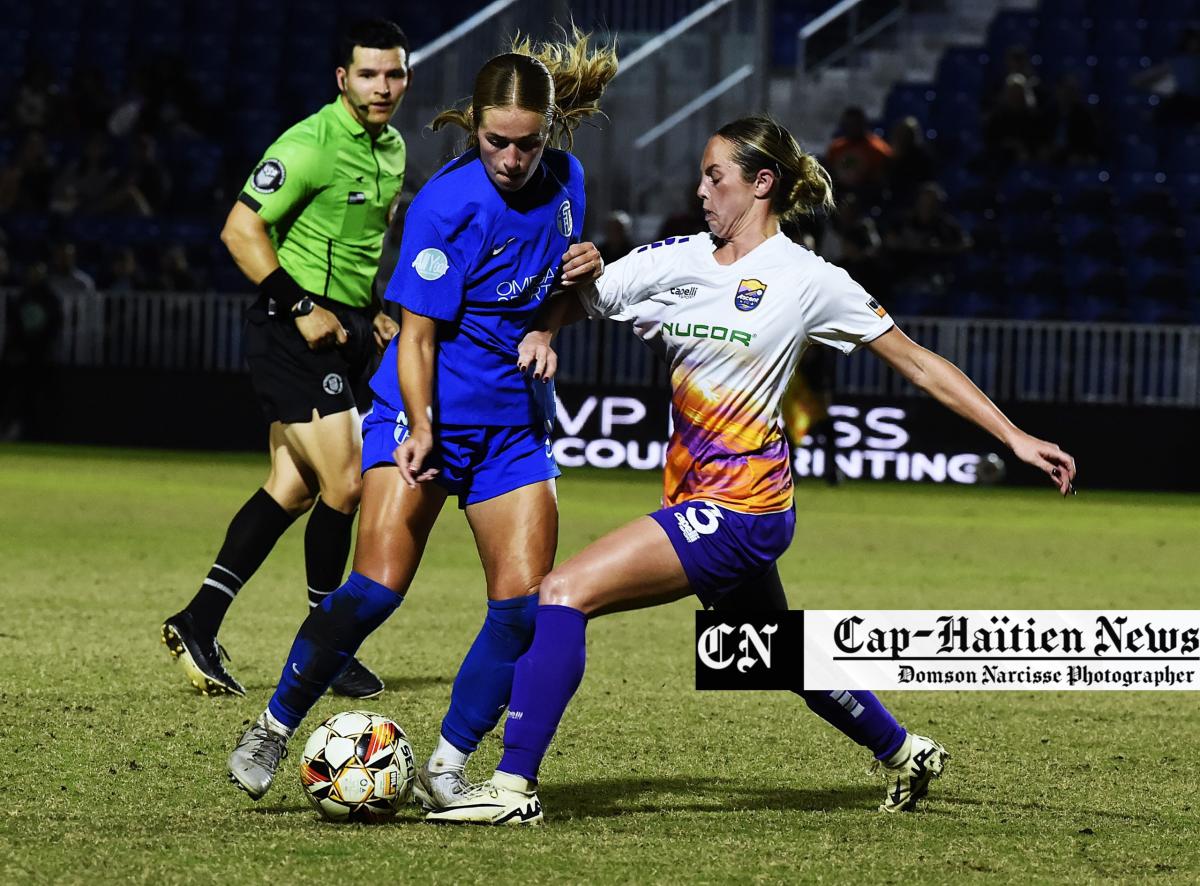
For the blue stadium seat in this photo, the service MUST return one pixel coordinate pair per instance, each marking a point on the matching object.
(190, 231)
(972, 303)
(62, 46)
(1081, 270)
(916, 303)
(962, 69)
(136, 230)
(1135, 155)
(159, 16)
(57, 15)
(16, 16)
(107, 50)
(197, 165)
(107, 16)
(1181, 154)
(1028, 271)
(1106, 305)
(1055, 67)
(1086, 235)
(209, 17)
(1011, 28)
(956, 112)
(1036, 305)
(1145, 193)
(1064, 36)
(318, 18)
(1114, 37)
(267, 17)
(909, 100)
(1162, 37)
(1064, 9)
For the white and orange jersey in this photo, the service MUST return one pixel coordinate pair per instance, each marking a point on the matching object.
(732, 335)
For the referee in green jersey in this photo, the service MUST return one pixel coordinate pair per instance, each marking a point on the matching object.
(307, 229)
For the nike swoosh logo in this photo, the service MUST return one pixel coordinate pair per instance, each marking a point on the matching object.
(296, 670)
(499, 249)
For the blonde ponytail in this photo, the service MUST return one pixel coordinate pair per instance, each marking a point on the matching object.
(563, 81)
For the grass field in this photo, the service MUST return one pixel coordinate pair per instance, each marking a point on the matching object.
(112, 769)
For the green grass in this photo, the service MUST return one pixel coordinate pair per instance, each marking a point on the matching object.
(112, 770)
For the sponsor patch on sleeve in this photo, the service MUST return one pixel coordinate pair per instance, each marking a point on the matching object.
(431, 264)
(877, 308)
(269, 176)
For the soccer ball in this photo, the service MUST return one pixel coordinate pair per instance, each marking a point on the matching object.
(357, 766)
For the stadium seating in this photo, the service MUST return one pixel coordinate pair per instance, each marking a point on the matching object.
(1059, 240)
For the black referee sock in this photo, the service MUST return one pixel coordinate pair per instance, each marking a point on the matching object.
(252, 534)
(326, 547)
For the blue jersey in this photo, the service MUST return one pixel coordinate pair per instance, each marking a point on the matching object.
(482, 261)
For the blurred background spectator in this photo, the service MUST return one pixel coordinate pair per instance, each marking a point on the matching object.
(618, 236)
(125, 274)
(857, 157)
(64, 277)
(32, 329)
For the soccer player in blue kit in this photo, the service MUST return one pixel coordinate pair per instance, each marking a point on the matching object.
(484, 242)
(731, 310)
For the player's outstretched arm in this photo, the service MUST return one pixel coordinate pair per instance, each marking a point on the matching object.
(581, 264)
(946, 383)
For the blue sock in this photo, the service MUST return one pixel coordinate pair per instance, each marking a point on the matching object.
(485, 678)
(545, 679)
(860, 716)
(326, 641)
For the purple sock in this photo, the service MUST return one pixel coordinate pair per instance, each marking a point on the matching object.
(545, 679)
(860, 716)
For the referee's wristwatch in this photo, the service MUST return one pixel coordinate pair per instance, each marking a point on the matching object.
(304, 307)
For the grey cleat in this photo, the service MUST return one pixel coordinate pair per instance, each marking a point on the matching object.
(437, 790)
(253, 762)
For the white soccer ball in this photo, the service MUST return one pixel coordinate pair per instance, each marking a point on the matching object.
(357, 766)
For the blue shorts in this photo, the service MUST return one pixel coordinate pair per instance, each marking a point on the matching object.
(719, 548)
(474, 463)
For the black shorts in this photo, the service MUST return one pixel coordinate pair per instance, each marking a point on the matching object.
(291, 380)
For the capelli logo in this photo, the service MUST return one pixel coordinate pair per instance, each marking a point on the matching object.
(749, 650)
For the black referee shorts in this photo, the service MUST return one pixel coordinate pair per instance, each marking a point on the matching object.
(291, 380)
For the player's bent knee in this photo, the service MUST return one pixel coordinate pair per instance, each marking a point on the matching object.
(344, 494)
(558, 589)
(293, 499)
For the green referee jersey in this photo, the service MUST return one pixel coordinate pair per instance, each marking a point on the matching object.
(324, 188)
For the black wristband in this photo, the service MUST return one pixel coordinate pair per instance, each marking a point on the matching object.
(282, 290)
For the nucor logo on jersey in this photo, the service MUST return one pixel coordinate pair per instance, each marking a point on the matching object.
(704, 330)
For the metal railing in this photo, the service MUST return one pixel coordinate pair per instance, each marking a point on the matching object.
(840, 32)
(1045, 362)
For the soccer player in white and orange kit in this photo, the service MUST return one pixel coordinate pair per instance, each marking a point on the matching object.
(730, 311)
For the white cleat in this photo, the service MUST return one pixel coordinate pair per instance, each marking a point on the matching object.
(437, 790)
(503, 800)
(909, 772)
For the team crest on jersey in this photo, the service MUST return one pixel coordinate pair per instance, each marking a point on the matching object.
(268, 177)
(332, 384)
(566, 224)
(749, 294)
(431, 264)
(876, 307)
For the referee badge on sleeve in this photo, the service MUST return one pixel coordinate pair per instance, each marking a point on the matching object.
(269, 176)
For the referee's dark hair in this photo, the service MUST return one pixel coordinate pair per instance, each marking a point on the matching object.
(371, 33)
